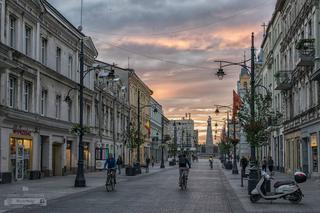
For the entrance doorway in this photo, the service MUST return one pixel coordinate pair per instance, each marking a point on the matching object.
(21, 157)
(56, 159)
(305, 159)
(69, 157)
(314, 152)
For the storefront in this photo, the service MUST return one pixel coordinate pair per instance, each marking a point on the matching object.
(292, 152)
(314, 152)
(101, 154)
(21, 154)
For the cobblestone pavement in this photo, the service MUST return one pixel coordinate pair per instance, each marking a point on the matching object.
(208, 191)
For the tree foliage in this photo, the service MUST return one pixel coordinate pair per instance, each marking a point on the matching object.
(76, 130)
(257, 130)
(134, 141)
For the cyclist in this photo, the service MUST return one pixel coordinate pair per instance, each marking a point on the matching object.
(111, 163)
(183, 162)
(211, 161)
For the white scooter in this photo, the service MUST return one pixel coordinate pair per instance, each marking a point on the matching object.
(288, 190)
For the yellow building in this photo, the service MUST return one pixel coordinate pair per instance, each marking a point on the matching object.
(139, 90)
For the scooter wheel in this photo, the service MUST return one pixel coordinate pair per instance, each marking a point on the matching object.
(296, 197)
(254, 198)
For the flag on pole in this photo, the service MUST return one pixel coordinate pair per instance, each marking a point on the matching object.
(237, 103)
(148, 127)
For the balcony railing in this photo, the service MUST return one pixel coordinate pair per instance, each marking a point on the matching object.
(283, 80)
(306, 52)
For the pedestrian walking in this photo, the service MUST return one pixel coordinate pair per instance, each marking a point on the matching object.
(244, 163)
(147, 164)
(270, 165)
(264, 164)
(152, 161)
(119, 164)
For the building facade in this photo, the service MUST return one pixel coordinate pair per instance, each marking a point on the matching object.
(291, 68)
(183, 132)
(156, 129)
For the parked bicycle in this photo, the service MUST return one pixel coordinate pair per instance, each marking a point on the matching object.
(111, 180)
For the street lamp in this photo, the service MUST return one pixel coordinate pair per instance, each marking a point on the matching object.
(80, 179)
(253, 174)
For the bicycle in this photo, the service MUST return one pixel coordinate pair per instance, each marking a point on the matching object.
(110, 183)
(184, 179)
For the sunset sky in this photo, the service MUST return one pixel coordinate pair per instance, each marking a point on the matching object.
(172, 44)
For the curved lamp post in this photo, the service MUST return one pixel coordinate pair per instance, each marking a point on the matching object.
(253, 174)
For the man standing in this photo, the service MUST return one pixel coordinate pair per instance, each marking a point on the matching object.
(270, 165)
(147, 164)
(119, 164)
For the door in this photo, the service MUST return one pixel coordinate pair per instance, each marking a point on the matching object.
(20, 161)
(69, 156)
(305, 159)
(56, 160)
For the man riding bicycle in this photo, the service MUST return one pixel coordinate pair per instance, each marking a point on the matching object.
(183, 162)
(111, 164)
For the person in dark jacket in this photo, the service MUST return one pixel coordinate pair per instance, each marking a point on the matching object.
(270, 164)
(264, 164)
(147, 164)
(244, 163)
(119, 164)
(183, 162)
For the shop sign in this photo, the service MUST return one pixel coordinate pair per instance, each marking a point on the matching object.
(100, 164)
(21, 132)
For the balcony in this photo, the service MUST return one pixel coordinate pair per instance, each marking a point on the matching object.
(306, 52)
(283, 80)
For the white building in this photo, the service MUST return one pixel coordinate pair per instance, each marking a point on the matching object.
(39, 76)
(291, 68)
(183, 132)
(156, 129)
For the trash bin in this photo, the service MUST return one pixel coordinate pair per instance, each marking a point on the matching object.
(137, 168)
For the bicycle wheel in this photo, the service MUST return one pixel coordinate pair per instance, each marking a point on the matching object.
(108, 184)
(113, 185)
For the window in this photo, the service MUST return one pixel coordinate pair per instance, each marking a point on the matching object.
(58, 106)
(44, 51)
(58, 59)
(70, 66)
(70, 111)
(43, 106)
(310, 29)
(13, 32)
(12, 92)
(28, 39)
(27, 96)
(88, 115)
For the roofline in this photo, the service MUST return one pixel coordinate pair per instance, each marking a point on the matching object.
(62, 17)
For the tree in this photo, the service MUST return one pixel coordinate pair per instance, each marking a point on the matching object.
(257, 131)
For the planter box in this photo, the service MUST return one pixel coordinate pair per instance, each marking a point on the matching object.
(228, 165)
(130, 171)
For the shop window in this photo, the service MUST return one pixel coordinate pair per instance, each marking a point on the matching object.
(314, 152)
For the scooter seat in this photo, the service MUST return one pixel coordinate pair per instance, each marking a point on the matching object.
(281, 183)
